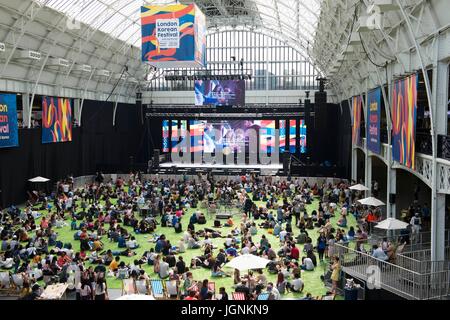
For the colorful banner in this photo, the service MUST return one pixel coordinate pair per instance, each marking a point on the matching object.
(56, 120)
(356, 109)
(175, 136)
(373, 121)
(165, 135)
(173, 36)
(293, 136)
(303, 131)
(282, 136)
(9, 136)
(183, 134)
(197, 130)
(266, 135)
(404, 116)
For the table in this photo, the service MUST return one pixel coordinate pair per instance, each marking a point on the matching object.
(54, 292)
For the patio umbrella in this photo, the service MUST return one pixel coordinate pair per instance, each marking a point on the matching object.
(359, 187)
(248, 262)
(391, 224)
(372, 202)
(39, 179)
(136, 297)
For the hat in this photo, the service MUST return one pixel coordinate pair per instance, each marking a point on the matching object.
(417, 214)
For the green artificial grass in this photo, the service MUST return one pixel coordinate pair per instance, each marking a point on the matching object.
(313, 283)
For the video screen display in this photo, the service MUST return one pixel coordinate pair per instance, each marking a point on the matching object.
(232, 135)
(303, 144)
(165, 136)
(282, 136)
(292, 136)
(220, 92)
(175, 138)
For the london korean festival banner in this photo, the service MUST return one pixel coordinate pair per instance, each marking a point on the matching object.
(173, 36)
(404, 116)
(373, 121)
(56, 120)
(8, 121)
(356, 109)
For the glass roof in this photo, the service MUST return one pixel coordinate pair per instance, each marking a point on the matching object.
(296, 20)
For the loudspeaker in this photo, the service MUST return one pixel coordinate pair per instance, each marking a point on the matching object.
(320, 98)
(156, 153)
(286, 160)
(392, 198)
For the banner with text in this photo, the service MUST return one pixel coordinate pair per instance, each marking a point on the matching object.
(373, 121)
(173, 36)
(8, 121)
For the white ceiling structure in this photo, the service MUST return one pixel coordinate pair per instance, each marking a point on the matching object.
(96, 38)
(84, 45)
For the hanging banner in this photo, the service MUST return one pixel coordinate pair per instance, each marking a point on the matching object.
(56, 120)
(165, 135)
(404, 116)
(373, 121)
(282, 136)
(173, 36)
(293, 136)
(356, 109)
(9, 136)
(175, 136)
(303, 137)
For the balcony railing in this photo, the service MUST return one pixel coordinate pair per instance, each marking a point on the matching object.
(423, 143)
(444, 147)
(404, 282)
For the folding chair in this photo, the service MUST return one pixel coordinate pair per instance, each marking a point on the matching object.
(157, 289)
(128, 286)
(172, 289)
(239, 296)
(142, 287)
(212, 287)
(5, 281)
(18, 281)
(263, 296)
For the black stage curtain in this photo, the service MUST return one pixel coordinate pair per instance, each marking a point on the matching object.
(96, 145)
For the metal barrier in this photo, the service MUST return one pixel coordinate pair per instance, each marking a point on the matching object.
(393, 277)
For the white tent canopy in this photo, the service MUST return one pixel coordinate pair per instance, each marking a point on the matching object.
(391, 224)
(136, 297)
(39, 179)
(372, 202)
(359, 187)
(248, 262)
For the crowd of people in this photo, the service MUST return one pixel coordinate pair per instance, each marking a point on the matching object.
(117, 211)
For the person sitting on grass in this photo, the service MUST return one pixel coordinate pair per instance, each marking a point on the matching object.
(296, 285)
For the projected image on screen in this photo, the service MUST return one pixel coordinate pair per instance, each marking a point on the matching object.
(303, 145)
(175, 139)
(219, 92)
(292, 136)
(165, 135)
(282, 136)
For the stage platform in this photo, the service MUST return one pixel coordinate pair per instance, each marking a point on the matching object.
(171, 165)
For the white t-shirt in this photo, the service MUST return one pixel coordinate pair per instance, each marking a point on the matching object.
(297, 284)
(309, 264)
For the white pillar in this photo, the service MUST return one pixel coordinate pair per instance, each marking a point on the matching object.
(368, 174)
(439, 101)
(355, 164)
(391, 188)
(77, 111)
(26, 110)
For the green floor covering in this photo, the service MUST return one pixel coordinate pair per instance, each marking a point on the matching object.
(313, 283)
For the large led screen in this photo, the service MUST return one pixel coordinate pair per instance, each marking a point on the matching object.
(220, 92)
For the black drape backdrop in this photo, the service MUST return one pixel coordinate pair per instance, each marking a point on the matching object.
(96, 145)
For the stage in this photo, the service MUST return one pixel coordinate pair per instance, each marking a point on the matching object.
(204, 166)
